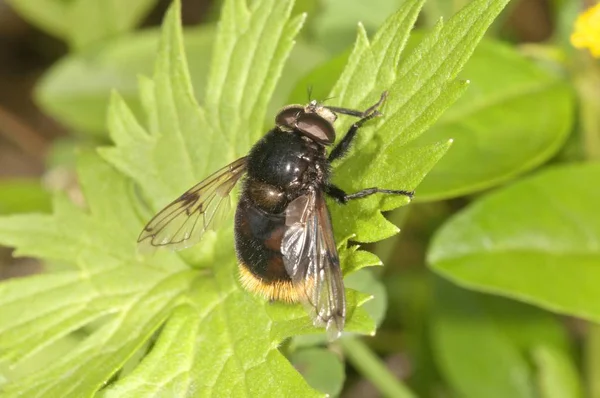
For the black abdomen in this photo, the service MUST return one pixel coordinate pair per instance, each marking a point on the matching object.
(281, 167)
(258, 241)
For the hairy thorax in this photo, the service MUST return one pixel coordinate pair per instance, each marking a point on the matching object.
(281, 167)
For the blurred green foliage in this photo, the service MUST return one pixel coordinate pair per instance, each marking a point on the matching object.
(484, 293)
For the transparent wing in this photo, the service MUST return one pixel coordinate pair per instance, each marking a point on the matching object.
(183, 222)
(311, 259)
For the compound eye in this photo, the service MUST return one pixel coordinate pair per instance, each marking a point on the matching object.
(287, 116)
(316, 127)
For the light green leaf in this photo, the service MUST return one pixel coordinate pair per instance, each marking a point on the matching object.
(333, 25)
(237, 97)
(436, 9)
(76, 90)
(305, 56)
(83, 22)
(209, 347)
(22, 196)
(72, 234)
(320, 80)
(107, 284)
(91, 21)
(514, 117)
(537, 241)
(106, 350)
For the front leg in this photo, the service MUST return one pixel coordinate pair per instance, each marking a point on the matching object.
(342, 197)
(344, 145)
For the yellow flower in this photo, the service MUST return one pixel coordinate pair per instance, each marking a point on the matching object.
(587, 31)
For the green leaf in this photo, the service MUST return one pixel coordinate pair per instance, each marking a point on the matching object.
(436, 9)
(237, 97)
(83, 22)
(514, 117)
(411, 298)
(189, 309)
(371, 366)
(304, 57)
(76, 90)
(45, 357)
(139, 295)
(526, 326)
(209, 347)
(486, 346)
(105, 351)
(23, 196)
(363, 280)
(421, 86)
(71, 234)
(333, 25)
(557, 376)
(48, 15)
(107, 283)
(476, 358)
(535, 241)
(488, 123)
(320, 80)
(91, 21)
(321, 368)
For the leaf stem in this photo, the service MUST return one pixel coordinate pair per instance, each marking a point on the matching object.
(371, 367)
(592, 360)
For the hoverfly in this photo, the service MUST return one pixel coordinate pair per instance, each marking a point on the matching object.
(283, 234)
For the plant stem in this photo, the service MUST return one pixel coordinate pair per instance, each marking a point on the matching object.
(587, 84)
(371, 367)
(592, 360)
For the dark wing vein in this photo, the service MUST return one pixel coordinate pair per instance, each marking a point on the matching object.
(177, 227)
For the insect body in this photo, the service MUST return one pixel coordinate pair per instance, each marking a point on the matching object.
(283, 234)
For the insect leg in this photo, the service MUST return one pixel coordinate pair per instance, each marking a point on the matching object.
(369, 113)
(344, 145)
(346, 111)
(339, 195)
